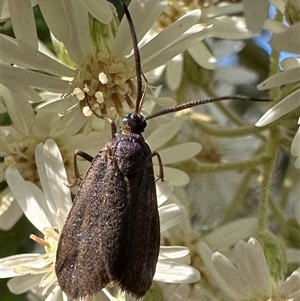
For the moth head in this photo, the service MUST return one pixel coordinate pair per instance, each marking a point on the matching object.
(134, 123)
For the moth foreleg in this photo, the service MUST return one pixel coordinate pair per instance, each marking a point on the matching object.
(76, 170)
(161, 168)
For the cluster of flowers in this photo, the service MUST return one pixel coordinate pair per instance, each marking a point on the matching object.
(51, 100)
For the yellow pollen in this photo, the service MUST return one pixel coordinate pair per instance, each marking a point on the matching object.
(103, 78)
(87, 111)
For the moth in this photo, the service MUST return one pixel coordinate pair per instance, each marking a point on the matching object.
(112, 232)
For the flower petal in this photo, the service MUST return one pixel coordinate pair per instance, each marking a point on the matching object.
(8, 264)
(174, 71)
(68, 21)
(53, 176)
(99, 9)
(12, 214)
(287, 40)
(227, 235)
(23, 23)
(280, 79)
(163, 191)
(196, 33)
(230, 28)
(27, 202)
(34, 79)
(285, 106)
(170, 216)
(256, 12)
(179, 152)
(174, 176)
(175, 273)
(19, 109)
(164, 133)
(24, 283)
(143, 17)
(202, 56)
(291, 287)
(12, 52)
(169, 35)
(173, 252)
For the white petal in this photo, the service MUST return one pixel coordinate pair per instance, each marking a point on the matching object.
(280, 79)
(174, 176)
(164, 133)
(163, 191)
(13, 213)
(19, 109)
(99, 9)
(53, 176)
(285, 106)
(288, 40)
(167, 37)
(229, 277)
(202, 56)
(274, 26)
(22, 284)
(291, 286)
(280, 4)
(173, 252)
(179, 152)
(143, 16)
(175, 273)
(34, 79)
(23, 195)
(174, 71)
(230, 28)
(196, 33)
(68, 21)
(8, 264)
(12, 52)
(227, 235)
(256, 12)
(23, 23)
(170, 216)
(290, 63)
(251, 263)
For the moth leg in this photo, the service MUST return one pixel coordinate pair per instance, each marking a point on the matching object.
(161, 168)
(76, 170)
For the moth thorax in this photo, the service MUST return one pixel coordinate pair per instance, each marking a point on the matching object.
(134, 123)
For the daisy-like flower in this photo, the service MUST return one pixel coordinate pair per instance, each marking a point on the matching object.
(101, 75)
(245, 275)
(286, 81)
(223, 21)
(18, 142)
(47, 210)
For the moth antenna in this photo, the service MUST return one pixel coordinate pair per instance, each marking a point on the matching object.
(137, 58)
(200, 102)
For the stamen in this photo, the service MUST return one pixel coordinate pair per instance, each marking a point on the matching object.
(39, 240)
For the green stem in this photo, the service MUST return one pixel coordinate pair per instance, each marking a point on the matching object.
(266, 176)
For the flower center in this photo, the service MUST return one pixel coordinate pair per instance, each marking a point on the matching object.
(21, 154)
(104, 83)
(49, 242)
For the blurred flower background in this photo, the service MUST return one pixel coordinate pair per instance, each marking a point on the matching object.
(233, 166)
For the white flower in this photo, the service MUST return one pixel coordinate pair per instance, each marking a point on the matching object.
(286, 39)
(222, 21)
(95, 49)
(246, 275)
(47, 211)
